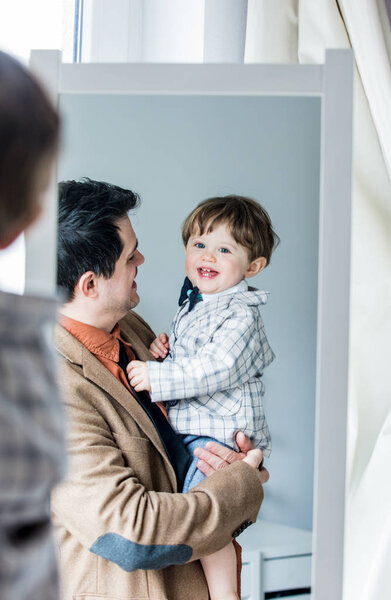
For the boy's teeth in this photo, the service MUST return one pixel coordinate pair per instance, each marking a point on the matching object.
(205, 270)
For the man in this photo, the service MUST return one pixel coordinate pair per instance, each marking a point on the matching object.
(31, 421)
(124, 530)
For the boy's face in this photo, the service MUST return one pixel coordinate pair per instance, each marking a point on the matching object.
(215, 262)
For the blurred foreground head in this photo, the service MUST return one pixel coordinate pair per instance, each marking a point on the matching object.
(29, 129)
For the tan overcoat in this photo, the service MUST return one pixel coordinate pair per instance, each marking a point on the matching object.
(123, 530)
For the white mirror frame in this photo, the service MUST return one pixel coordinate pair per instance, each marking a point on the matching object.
(333, 84)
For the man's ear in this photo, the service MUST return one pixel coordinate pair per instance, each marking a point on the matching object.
(255, 267)
(87, 285)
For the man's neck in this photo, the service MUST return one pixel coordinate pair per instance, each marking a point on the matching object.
(85, 315)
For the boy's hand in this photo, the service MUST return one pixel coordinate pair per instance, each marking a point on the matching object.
(160, 346)
(138, 375)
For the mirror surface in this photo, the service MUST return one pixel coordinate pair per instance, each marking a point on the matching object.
(178, 150)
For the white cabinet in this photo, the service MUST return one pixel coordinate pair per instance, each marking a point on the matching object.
(276, 558)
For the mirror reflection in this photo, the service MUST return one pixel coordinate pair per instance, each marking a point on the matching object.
(175, 151)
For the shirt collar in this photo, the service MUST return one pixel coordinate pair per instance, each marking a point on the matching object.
(239, 287)
(97, 341)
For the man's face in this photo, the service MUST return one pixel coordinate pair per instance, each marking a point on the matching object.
(119, 293)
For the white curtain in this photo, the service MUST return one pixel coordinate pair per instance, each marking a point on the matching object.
(308, 28)
(164, 31)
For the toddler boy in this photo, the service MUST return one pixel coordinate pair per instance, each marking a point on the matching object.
(218, 347)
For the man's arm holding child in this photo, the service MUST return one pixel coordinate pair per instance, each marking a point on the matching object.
(120, 519)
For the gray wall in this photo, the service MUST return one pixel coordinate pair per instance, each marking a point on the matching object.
(176, 151)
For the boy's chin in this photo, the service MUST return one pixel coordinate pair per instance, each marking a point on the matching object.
(208, 290)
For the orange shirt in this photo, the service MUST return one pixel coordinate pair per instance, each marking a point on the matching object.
(103, 345)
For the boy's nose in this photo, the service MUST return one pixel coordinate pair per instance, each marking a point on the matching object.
(208, 256)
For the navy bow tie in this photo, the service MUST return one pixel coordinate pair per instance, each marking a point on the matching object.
(188, 292)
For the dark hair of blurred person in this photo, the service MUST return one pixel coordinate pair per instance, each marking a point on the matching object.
(29, 129)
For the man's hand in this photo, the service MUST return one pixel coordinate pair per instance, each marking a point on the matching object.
(160, 346)
(138, 375)
(215, 456)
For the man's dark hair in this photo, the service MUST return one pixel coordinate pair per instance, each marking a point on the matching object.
(29, 128)
(88, 230)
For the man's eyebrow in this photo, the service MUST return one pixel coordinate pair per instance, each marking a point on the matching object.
(134, 249)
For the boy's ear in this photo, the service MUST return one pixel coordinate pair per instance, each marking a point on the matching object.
(255, 267)
(87, 285)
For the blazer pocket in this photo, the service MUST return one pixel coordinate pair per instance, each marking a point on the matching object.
(130, 443)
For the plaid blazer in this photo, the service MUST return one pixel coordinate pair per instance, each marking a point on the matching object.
(32, 448)
(218, 352)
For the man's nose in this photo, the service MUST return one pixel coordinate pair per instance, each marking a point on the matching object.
(139, 258)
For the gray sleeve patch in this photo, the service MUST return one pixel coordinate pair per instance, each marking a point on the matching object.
(131, 556)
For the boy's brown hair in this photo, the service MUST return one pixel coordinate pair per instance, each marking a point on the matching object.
(249, 223)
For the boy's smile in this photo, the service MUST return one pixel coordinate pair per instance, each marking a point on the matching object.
(207, 273)
(216, 262)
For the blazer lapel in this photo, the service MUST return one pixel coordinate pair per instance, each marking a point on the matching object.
(98, 374)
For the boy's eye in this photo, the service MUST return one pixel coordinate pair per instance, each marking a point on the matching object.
(199, 245)
(224, 250)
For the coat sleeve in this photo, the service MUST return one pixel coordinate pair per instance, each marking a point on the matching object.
(235, 353)
(108, 508)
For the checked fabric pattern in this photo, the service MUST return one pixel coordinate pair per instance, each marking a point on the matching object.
(32, 449)
(218, 353)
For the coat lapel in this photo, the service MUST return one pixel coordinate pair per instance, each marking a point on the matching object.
(94, 371)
